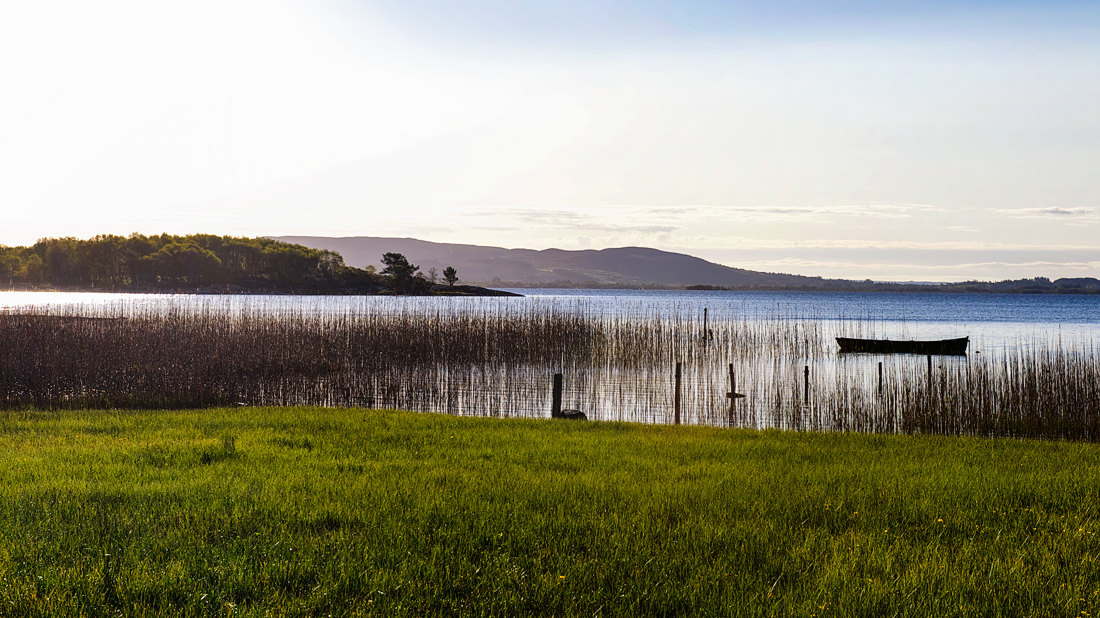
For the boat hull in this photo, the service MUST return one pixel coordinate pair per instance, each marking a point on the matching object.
(942, 347)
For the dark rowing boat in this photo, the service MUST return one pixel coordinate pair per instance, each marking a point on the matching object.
(943, 347)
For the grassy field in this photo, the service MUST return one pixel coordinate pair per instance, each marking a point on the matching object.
(292, 511)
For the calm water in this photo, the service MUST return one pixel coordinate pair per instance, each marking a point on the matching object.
(772, 377)
(992, 321)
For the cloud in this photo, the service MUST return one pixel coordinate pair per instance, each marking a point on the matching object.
(643, 229)
(802, 264)
(1042, 213)
(872, 211)
(564, 220)
(891, 270)
(710, 243)
(526, 215)
(558, 216)
(669, 211)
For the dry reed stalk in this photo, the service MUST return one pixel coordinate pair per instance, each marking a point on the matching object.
(463, 361)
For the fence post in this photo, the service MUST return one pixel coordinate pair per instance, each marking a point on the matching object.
(806, 386)
(676, 401)
(555, 409)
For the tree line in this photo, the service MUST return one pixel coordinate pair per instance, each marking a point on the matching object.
(200, 261)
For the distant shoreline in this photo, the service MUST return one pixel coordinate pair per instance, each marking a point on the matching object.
(497, 291)
(457, 290)
(877, 288)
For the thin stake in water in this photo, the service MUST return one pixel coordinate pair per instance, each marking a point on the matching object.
(676, 400)
(806, 387)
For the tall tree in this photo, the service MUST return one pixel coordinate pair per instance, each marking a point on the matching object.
(186, 262)
(10, 264)
(401, 272)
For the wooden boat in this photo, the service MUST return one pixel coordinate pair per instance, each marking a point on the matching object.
(942, 347)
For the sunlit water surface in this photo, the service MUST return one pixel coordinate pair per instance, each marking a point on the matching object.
(992, 321)
(773, 380)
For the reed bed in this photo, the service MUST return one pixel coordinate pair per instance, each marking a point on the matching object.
(500, 363)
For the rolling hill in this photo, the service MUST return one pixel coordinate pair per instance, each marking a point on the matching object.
(636, 267)
(625, 266)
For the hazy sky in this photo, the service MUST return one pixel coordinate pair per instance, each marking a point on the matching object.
(888, 140)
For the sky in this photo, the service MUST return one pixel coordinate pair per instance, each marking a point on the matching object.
(888, 140)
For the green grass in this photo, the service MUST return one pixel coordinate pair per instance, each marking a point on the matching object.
(291, 511)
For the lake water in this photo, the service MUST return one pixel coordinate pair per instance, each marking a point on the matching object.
(787, 367)
(992, 321)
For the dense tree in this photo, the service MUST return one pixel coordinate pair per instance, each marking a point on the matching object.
(34, 271)
(401, 273)
(10, 265)
(61, 261)
(105, 261)
(140, 272)
(185, 263)
(140, 262)
(450, 275)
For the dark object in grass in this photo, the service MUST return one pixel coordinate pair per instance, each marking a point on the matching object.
(572, 415)
(943, 347)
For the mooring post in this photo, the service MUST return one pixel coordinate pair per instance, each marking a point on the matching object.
(555, 408)
(880, 378)
(806, 386)
(676, 400)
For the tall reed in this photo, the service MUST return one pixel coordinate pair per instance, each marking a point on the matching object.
(500, 363)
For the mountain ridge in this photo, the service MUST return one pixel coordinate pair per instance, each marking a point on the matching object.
(635, 267)
(618, 266)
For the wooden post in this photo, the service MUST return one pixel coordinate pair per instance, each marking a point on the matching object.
(880, 378)
(555, 409)
(706, 333)
(806, 386)
(676, 400)
(929, 370)
(733, 395)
